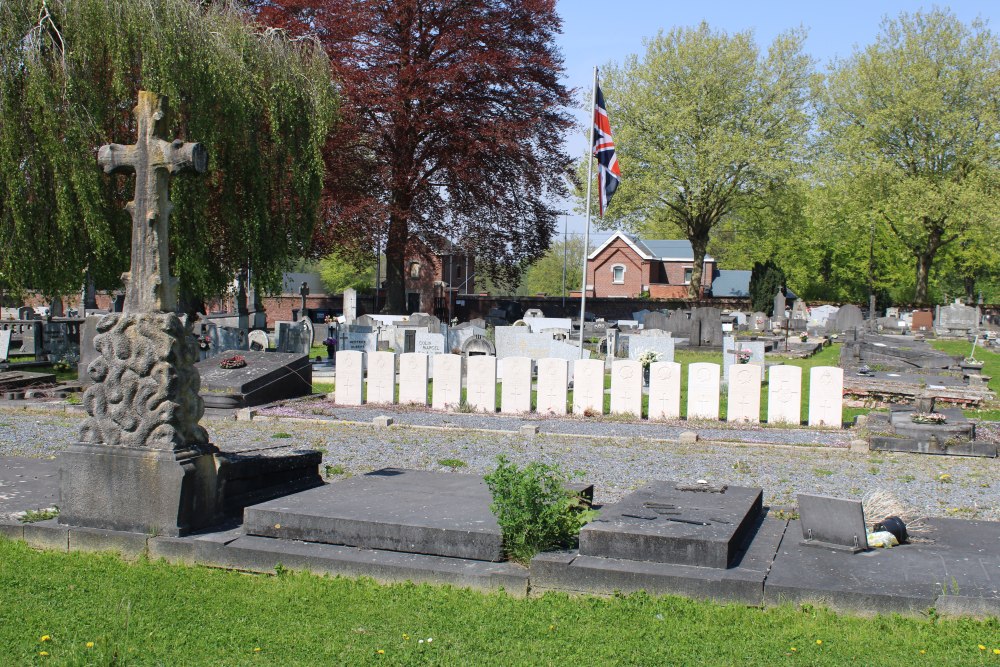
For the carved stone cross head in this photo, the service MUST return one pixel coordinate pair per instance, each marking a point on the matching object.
(148, 284)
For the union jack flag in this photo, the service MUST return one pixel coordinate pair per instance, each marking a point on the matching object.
(609, 174)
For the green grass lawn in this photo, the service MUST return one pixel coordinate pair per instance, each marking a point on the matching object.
(153, 613)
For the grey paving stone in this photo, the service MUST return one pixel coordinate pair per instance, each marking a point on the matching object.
(12, 529)
(131, 545)
(47, 535)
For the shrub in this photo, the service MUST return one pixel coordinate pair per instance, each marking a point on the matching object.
(534, 508)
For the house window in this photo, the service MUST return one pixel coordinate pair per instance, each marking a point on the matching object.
(618, 274)
(687, 275)
(414, 269)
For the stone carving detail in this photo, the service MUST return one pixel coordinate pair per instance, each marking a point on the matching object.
(146, 387)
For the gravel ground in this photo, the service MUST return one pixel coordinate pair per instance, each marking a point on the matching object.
(615, 465)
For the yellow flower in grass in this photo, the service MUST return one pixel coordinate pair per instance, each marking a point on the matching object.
(43, 653)
(256, 649)
(90, 644)
(793, 649)
(996, 651)
(982, 648)
(44, 638)
(922, 651)
(381, 652)
(406, 637)
(819, 642)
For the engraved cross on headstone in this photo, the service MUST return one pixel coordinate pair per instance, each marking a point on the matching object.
(148, 284)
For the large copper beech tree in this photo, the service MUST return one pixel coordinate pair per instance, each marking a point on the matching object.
(453, 121)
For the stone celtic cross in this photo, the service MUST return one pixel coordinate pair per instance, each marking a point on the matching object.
(148, 284)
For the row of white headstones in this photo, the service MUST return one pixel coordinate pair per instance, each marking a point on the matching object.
(744, 387)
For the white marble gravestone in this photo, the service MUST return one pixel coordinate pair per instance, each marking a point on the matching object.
(553, 377)
(784, 395)
(413, 378)
(381, 377)
(447, 390)
(588, 386)
(626, 387)
(350, 377)
(743, 404)
(481, 383)
(515, 390)
(826, 396)
(703, 391)
(664, 390)
(5, 336)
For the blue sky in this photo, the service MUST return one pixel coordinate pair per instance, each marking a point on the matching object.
(598, 31)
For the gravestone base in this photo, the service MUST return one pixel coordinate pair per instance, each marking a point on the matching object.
(956, 437)
(267, 377)
(153, 491)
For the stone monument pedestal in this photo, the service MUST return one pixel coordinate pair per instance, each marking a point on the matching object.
(160, 492)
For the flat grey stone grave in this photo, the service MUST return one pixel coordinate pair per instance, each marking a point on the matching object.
(27, 484)
(663, 524)
(434, 513)
(11, 380)
(267, 377)
(956, 437)
(956, 572)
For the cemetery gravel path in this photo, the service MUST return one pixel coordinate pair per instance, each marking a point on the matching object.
(933, 485)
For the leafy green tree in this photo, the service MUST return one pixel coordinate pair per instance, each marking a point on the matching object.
(545, 276)
(69, 72)
(706, 127)
(910, 126)
(339, 273)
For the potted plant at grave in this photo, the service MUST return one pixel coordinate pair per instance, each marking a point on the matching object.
(804, 338)
(743, 356)
(204, 342)
(331, 347)
(928, 418)
(646, 359)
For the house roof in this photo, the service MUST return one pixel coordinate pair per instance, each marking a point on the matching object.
(731, 283)
(653, 249)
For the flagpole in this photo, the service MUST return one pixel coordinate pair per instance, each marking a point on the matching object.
(586, 236)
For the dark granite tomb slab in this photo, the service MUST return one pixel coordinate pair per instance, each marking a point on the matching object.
(253, 476)
(662, 524)
(11, 380)
(440, 514)
(267, 377)
(953, 438)
(961, 561)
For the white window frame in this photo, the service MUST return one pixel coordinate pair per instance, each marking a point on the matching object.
(615, 267)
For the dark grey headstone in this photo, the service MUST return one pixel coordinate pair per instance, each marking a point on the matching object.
(440, 514)
(663, 524)
(832, 521)
(655, 320)
(848, 317)
(267, 377)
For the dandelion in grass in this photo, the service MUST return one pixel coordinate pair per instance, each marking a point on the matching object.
(256, 649)
(45, 638)
(982, 648)
(89, 644)
(819, 642)
(43, 653)
(996, 651)
(381, 651)
(406, 637)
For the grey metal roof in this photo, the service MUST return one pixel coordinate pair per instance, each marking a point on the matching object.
(731, 282)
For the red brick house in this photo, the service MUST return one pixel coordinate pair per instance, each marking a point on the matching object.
(436, 270)
(625, 266)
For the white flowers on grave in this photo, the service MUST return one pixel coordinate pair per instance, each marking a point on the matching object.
(648, 357)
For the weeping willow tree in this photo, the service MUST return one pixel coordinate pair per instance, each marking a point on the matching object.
(69, 71)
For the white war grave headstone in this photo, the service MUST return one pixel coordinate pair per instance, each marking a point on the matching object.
(481, 383)
(826, 396)
(381, 377)
(447, 390)
(413, 378)
(626, 387)
(703, 391)
(588, 386)
(553, 377)
(664, 390)
(350, 377)
(515, 390)
(743, 404)
(784, 395)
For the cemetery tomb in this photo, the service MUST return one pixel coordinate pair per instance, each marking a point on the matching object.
(381, 377)
(257, 340)
(5, 336)
(848, 317)
(267, 377)
(665, 390)
(553, 379)
(481, 383)
(743, 404)
(626, 387)
(784, 395)
(447, 389)
(703, 391)
(955, 436)
(515, 390)
(588, 387)
(826, 396)
(350, 377)
(413, 378)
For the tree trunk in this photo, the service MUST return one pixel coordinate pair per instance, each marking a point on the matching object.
(924, 260)
(395, 272)
(699, 244)
(970, 289)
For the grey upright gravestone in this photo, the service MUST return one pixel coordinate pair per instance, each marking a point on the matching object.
(143, 464)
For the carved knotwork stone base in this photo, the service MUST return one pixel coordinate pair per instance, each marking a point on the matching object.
(138, 490)
(146, 387)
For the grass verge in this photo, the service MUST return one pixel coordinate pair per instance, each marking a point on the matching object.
(153, 613)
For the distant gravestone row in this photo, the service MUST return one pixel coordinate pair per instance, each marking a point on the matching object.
(552, 393)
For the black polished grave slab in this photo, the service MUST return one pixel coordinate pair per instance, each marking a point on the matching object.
(267, 377)
(663, 523)
(440, 514)
(957, 569)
